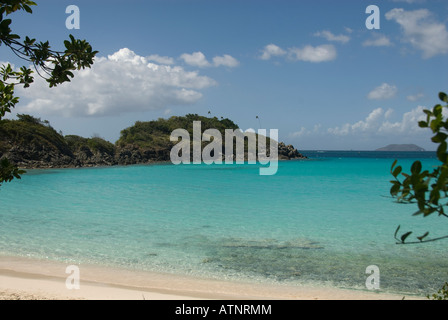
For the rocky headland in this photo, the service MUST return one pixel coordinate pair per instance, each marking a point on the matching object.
(31, 143)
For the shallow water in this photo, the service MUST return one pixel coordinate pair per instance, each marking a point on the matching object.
(319, 221)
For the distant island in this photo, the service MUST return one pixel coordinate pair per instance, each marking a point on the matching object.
(401, 147)
(30, 142)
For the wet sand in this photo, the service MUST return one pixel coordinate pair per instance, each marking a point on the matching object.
(31, 279)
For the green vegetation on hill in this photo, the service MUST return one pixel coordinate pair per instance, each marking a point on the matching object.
(33, 133)
(156, 134)
(95, 144)
(30, 142)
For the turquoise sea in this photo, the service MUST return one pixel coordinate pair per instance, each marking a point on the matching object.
(320, 221)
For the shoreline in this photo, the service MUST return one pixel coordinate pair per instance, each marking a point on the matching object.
(89, 166)
(100, 166)
(32, 279)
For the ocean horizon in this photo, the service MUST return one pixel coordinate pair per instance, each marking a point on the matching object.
(321, 221)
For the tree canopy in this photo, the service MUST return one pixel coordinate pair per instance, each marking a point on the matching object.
(429, 189)
(55, 67)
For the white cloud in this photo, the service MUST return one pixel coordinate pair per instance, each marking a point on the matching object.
(161, 59)
(408, 124)
(271, 50)
(308, 53)
(302, 132)
(120, 83)
(383, 92)
(313, 54)
(379, 127)
(421, 31)
(372, 121)
(331, 37)
(378, 41)
(305, 132)
(225, 60)
(388, 113)
(377, 123)
(198, 59)
(415, 97)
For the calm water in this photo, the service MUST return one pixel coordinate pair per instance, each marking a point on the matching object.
(321, 221)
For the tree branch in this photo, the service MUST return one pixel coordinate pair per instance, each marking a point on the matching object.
(423, 241)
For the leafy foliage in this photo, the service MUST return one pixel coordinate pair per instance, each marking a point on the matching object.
(31, 119)
(442, 294)
(95, 144)
(8, 171)
(55, 67)
(31, 142)
(429, 189)
(29, 131)
(156, 134)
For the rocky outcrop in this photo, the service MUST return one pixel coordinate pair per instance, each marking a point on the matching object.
(288, 152)
(40, 157)
(87, 158)
(37, 156)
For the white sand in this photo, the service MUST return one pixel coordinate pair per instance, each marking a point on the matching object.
(30, 279)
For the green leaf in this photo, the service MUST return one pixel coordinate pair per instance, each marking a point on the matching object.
(393, 165)
(404, 237)
(14, 36)
(397, 171)
(437, 110)
(394, 189)
(441, 151)
(396, 231)
(27, 8)
(427, 212)
(423, 124)
(423, 236)
(416, 167)
(442, 179)
(439, 137)
(434, 196)
(419, 212)
(443, 96)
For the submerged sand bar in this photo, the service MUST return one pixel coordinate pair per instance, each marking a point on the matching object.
(23, 278)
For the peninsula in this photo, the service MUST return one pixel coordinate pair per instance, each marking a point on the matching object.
(30, 142)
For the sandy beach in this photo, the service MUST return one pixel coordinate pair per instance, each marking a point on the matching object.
(30, 279)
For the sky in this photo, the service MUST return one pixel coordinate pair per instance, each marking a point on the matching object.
(315, 70)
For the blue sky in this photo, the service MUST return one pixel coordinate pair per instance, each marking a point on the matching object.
(310, 69)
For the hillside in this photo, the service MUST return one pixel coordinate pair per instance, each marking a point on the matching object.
(151, 140)
(32, 143)
(146, 141)
(401, 147)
